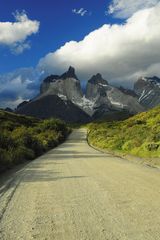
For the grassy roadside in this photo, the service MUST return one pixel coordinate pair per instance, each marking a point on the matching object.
(138, 136)
(25, 138)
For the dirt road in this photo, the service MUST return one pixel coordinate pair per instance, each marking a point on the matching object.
(77, 193)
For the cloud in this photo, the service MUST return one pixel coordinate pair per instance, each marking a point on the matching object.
(82, 12)
(121, 53)
(20, 47)
(17, 86)
(126, 8)
(14, 34)
(117, 51)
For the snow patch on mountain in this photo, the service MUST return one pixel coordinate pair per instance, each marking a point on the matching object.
(115, 103)
(63, 97)
(85, 104)
(145, 95)
(103, 85)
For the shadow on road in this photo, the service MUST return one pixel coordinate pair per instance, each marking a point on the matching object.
(38, 175)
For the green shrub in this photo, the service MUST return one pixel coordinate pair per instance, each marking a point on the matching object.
(20, 154)
(5, 140)
(24, 138)
(151, 146)
(5, 160)
(127, 146)
(138, 135)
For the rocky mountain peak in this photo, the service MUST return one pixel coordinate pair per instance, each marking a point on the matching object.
(66, 86)
(69, 74)
(146, 80)
(63, 94)
(96, 87)
(148, 91)
(97, 79)
(154, 80)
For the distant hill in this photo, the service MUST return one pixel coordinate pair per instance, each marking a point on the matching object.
(138, 135)
(53, 106)
(9, 120)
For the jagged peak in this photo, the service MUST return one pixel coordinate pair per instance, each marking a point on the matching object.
(154, 78)
(96, 79)
(69, 74)
(148, 80)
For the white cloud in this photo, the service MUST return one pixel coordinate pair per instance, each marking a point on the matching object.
(22, 84)
(117, 51)
(82, 12)
(121, 53)
(126, 8)
(20, 47)
(14, 34)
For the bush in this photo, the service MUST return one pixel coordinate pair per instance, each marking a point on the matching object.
(24, 138)
(5, 160)
(5, 140)
(20, 154)
(151, 146)
(138, 135)
(127, 146)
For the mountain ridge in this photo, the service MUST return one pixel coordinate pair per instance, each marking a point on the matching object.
(99, 99)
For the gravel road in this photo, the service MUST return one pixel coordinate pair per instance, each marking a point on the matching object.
(77, 193)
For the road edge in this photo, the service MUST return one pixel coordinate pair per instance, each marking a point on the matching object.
(147, 162)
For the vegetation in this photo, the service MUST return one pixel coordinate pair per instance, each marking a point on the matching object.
(138, 135)
(24, 138)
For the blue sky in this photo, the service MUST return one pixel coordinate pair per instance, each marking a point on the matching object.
(58, 24)
(118, 38)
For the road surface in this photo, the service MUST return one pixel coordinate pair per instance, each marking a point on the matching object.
(77, 193)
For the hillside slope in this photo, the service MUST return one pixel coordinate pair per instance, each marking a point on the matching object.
(53, 106)
(138, 135)
(24, 138)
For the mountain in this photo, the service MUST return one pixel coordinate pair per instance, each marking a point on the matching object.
(129, 92)
(61, 96)
(53, 106)
(8, 109)
(22, 104)
(57, 98)
(67, 86)
(106, 98)
(148, 91)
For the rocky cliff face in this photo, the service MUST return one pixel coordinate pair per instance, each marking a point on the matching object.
(67, 86)
(106, 97)
(148, 91)
(59, 97)
(62, 96)
(96, 87)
